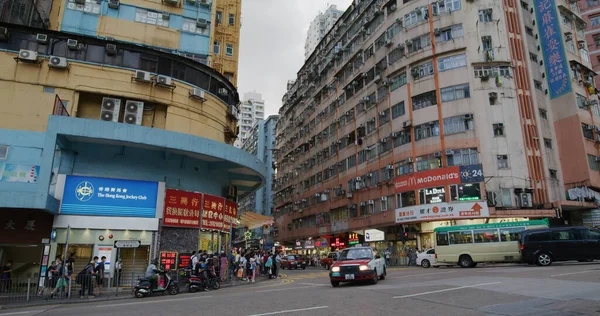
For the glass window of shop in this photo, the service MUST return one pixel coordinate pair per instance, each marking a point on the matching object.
(432, 195)
(406, 199)
(465, 192)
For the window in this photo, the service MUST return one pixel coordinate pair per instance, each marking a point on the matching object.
(563, 235)
(595, 20)
(452, 62)
(594, 162)
(486, 42)
(465, 156)
(465, 192)
(543, 114)
(217, 48)
(427, 130)
(492, 71)
(398, 110)
(362, 156)
(231, 19)
(351, 161)
(538, 85)
(384, 204)
(590, 234)
(498, 129)
(423, 70)
(485, 15)
(403, 167)
(502, 161)
(486, 235)
(372, 153)
(511, 234)
(396, 54)
(428, 162)
(541, 236)
(416, 16)
(150, 17)
(441, 239)
(588, 131)
(406, 199)
(229, 49)
(219, 17)
(450, 33)
(393, 30)
(90, 7)
(385, 118)
(445, 6)
(548, 143)
(401, 139)
(191, 26)
(424, 100)
(464, 237)
(398, 81)
(525, 5)
(371, 126)
(597, 40)
(533, 57)
(553, 174)
(455, 92)
(529, 31)
(591, 3)
(380, 42)
(457, 124)
(420, 42)
(493, 98)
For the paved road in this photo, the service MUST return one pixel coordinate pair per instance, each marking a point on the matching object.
(562, 289)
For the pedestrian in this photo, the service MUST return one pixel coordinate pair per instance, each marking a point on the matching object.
(387, 256)
(5, 277)
(119, 271)
(193, 262)
(63, 277)
(274, 266)
(100, 274)
(242, 267)
(51, 277)
(223, 267)
(269, 266)
(231, 264)
(251, 268)
(86, 280)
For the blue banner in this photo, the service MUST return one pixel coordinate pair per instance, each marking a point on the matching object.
(555, 61)
(19, 173)
(109, 197)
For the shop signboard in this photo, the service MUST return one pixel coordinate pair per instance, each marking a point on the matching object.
(353, 239)
(212, 212)
(184, 260)
(298, 244)
(439, 177)
(182, 208)
(168, 260)
(109, 197)
(19, 173)
(25, 226)
(374, 235)
(229, 215)
(309, 244)
(442, 211)
(127, 243)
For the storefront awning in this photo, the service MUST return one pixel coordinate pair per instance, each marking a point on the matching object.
(254, 220)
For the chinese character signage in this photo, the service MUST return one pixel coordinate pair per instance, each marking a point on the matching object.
(184, 260)
(109, 197)
(555, 61)
(439, 177)
(212, 212)
(230, 215)
(441, 211)
(19, 173)
(353, 239)
(182, 208)
(25, 226)
(168, 260)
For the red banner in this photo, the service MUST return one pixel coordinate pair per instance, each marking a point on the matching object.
(182, 208)
(427, 179)
(213, 212)
(230, 215)
(168, 260)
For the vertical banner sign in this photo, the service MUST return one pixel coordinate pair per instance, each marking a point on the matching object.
(182, 208)
(168, 260)
(230, 215)
(212, 212)
(555, 61)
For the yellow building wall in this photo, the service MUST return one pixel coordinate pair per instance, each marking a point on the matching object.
(25, 106)
(157, 5)
(224, 33)
(132, 31)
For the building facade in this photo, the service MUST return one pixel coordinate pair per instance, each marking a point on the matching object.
(319, 26)
(252, 110)
(114, 127)
(410, 115)
(226, 38)
(261, 143)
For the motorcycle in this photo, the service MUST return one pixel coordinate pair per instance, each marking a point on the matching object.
(144, 286)
(207, 278)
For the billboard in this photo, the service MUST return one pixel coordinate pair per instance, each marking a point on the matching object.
(182, 208)
(213, 212)
(441, 212)
(439, 177)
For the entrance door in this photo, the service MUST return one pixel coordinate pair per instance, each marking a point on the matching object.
(137, 266)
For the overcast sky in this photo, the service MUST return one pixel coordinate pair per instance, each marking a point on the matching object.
(272, 44)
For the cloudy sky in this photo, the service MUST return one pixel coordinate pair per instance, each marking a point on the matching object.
(272, 44)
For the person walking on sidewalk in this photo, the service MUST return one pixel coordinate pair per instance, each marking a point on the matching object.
(223, 267)
(86, 279)
(100, 274)
(62, 277)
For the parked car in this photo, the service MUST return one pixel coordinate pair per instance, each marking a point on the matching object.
(293, 262)
(427, 259)
(358, 264)
(544, 246)
(328, 261)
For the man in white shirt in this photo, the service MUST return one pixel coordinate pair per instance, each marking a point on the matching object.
(194, 261)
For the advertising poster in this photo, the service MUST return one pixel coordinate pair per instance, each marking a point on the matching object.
(19, 173)
(168, 260)
(106, 252)
(182, 208)
(230, 215)
(213, 212)
(442, 211)
(439, 177)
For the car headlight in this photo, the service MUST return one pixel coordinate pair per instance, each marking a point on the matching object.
(335, 269)
(364, 268)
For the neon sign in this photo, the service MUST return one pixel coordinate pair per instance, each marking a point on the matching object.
(353, 239)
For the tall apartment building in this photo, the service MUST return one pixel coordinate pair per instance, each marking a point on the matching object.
(411, 115)
(252, 109)
(113, 125)
(261, 143)
(319, 26)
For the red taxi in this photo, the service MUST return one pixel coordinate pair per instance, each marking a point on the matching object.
(357, 264)
(293, 262)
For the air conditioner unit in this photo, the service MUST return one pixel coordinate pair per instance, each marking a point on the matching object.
(164, 81)
(383, 198)
(399, 21)
(202, 23)
(437, 154)
(41, 38)
(581, 45)
(28, 56)
(395, 135)
(133, 112)
(388, 43)
(467, 117)
(72, 44)
(113, 4)
(222, 91)
(408, 43)
(166, 16)
(58, 62)
(493, 95)
(383, 140)
(197, 93)
(348, 195)
(590, 102)
(389, 167)
(597, 158)
(590, 127)
(377, 78)
(363, 204)
(414, 71)
(111, 49)
(366, 99)
(358, 179)
(437, 31)
(449, 152)
(382, 113)
(369, 175)
(406, 124)
(393, 7)
(142, 76)
(324, 197)
(110, 109)
(371, 202)
(401, 46)
(409, 160)
(526, 200)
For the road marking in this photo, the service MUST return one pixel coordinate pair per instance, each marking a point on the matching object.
(580, 272)
(446, 290)
(23, 312)
(315, 284)
(291, 311)
(289, 288)
(151, 302)
(416, 275)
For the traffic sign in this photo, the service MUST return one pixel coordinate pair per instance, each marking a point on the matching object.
(127, 243)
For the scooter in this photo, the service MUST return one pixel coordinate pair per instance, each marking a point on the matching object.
(203, 280)
(144, 286)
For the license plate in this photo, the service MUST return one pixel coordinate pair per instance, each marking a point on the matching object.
(336, 274)
(349, 276)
